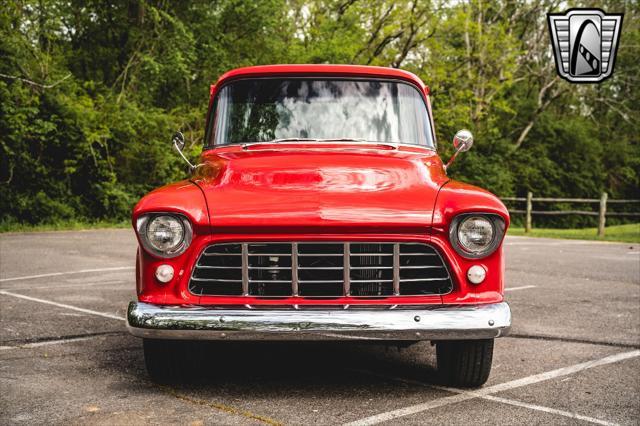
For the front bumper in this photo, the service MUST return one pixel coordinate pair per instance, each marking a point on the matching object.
(406, 323)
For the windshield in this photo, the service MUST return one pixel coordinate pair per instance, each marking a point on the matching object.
(268, 109)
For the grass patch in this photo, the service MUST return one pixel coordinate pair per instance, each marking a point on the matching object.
(70, 225)
(629, 233)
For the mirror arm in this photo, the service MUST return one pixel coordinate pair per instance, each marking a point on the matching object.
(191, 166)
(453, 157)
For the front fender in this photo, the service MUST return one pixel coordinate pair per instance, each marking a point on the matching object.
(453, 199)
(182, 197)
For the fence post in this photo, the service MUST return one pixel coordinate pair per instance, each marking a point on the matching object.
(601, 216)
(527, 224)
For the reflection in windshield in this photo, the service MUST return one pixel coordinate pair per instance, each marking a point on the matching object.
(259, 110)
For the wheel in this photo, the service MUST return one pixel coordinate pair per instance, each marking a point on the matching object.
(163, 360)
(464, 363)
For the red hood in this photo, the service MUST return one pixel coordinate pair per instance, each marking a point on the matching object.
(305, 188)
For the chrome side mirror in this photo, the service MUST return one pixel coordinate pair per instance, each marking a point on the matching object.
(178, 143)
(462, 142)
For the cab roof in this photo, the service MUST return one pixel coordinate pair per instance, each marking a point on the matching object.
(322, 70)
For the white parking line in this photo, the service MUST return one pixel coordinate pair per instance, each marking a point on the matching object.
(548, 410)
(493, 398)
(536, 378)
(62, 305)
(50, 342)
(519, 288)
(103, 283)
(57, 274)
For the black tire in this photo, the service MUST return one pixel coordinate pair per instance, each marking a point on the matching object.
(163, 361)
(464, 363)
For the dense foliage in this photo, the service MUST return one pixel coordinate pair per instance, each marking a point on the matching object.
(90, 91)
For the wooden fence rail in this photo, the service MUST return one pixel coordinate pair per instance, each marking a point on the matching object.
(602, 212)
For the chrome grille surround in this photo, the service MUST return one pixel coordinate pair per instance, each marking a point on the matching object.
(320, 270)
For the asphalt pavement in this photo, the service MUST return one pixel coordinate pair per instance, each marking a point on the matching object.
(65, 357)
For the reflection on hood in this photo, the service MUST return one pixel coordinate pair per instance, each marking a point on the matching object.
(308, 188)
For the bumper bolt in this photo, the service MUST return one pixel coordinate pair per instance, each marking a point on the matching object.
(491, 322)
(416, 318)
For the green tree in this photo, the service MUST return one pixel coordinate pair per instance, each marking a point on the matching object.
(91, 90)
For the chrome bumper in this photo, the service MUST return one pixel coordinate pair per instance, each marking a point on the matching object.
(421, 323)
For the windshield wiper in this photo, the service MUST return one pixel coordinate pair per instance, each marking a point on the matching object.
(247, 144)
(343, 140)
(292, 140)
(317, 140)
(394, 146)
(389, 144)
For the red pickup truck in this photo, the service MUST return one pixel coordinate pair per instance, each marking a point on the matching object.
(320, 210)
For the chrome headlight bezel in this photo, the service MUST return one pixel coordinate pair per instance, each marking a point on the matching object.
(142, 226)
(498, 227)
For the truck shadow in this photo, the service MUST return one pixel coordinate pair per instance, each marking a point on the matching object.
(244, 364)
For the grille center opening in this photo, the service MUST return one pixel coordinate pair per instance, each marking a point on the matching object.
(320, 270)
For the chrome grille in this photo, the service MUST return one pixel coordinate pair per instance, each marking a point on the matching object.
(320, 270)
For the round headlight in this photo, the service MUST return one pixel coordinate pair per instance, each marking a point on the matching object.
(165, 233)
(475, 233)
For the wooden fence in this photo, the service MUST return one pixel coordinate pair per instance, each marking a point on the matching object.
(602, 212)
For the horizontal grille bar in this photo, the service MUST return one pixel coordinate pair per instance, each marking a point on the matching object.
(322, 269)
(218, 267)
(269, 268)
(319, 254)
(215, 280)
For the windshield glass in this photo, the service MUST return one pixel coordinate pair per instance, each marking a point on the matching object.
(267, 109)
